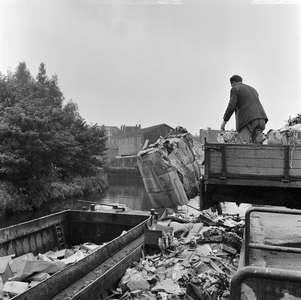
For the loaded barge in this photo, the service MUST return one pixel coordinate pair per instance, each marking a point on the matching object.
(121, 235)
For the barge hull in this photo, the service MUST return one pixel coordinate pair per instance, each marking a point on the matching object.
(117, 230)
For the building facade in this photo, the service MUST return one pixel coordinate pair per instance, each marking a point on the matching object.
(131, 142)
(209, 135)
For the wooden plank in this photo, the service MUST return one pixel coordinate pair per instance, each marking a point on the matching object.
(295, 172)
(271, 168)
(259, 181)
(235, 171)
(264, 151)
(249, 146)
(294, 157)
(248, 153)
(294, 154)
(253, 162)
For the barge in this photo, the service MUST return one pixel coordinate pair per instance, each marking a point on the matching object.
(122, 234)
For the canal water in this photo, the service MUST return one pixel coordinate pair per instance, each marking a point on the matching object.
(124, 189)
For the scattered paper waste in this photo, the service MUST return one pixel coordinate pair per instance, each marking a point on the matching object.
(198, 263)
(89, 247)
(23, 272)
(195, 258)
(15, 287)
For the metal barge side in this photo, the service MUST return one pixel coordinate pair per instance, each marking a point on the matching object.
(74, 228)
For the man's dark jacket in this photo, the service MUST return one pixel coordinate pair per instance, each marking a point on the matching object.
(244, 100)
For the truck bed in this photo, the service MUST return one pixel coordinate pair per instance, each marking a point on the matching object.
(256, 174)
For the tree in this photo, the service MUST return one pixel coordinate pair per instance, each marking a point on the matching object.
(41, 140)
(91, 143)
(48, 88)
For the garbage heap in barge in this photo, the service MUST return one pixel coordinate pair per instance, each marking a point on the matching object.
(194, 258)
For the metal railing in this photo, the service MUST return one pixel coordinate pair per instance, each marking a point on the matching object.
(253, 272)
(249, 245)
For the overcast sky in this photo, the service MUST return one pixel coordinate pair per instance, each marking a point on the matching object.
(147, 63)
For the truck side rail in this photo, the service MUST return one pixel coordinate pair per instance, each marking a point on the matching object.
(280, 163)
(249, 245)
(251, 272)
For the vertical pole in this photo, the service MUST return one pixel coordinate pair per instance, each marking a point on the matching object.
(224, 168)
(286, 164)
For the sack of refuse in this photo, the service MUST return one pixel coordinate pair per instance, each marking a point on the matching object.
(277, 137)
(287, 135)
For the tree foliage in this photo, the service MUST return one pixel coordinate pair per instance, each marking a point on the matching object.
(41, 139)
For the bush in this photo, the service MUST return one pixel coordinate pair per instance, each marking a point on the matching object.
(4, 199)
(94, 184)
(78, 187)
(10, 201)
(60, 190)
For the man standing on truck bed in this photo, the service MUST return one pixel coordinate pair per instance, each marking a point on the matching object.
(250, 115)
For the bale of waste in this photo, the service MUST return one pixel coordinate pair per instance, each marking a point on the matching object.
(171, 169)
(160, 179)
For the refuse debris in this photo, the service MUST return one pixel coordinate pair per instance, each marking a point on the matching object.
(191, 259)
(171, 169)
(294, 121)
(14, 288)
(5, 269)
(227, 136)
(288, 134)
(20, 273)
(197, 263)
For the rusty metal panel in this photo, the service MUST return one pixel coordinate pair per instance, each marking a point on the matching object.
(19, 247)
(33, 245)
(105, 275)
(22, 229)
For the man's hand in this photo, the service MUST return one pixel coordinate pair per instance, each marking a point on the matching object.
(223, 125)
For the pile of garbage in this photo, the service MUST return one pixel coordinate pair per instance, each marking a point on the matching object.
(289, 134)
(171, 168)
(195, 260)
(23, 272)
(227, 136)
(294, 121)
